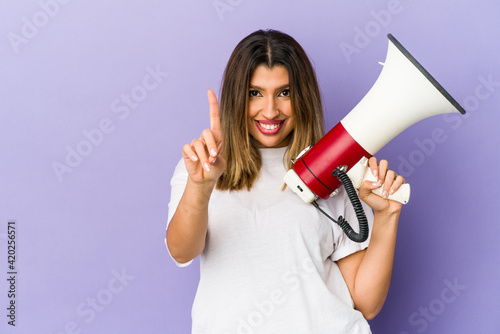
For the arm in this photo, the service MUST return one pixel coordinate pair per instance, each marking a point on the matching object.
(368, 273)
(187, 229)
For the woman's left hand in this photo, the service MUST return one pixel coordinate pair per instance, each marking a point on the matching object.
(390, 182)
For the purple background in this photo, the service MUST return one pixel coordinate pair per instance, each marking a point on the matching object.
(65, 66)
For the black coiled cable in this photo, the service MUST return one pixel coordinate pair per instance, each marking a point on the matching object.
(339, 172)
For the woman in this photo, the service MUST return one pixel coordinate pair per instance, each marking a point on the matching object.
(271, 263)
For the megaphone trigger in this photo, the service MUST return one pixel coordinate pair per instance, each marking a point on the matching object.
(402, 195)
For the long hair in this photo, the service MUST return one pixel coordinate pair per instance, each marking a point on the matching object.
(269, 48)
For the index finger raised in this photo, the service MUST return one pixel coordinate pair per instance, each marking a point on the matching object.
(214, 113)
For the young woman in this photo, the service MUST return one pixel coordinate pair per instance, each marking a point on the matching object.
(269, 262)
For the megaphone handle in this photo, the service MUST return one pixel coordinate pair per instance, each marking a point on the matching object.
(360, 173)
(402, 195)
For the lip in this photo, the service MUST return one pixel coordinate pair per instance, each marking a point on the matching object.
(270, 132)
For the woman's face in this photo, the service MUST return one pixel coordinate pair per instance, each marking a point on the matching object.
(270, 117)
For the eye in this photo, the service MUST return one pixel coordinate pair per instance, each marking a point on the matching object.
(254, 93)
(284, 93)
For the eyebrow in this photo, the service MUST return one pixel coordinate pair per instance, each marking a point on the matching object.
(279, 88)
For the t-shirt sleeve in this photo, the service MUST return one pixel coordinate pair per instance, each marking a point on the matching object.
(343, 245)
(177, 185)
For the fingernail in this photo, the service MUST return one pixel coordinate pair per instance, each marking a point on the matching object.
(391, 192)
(213, 152)
(213, 161)
(384, 194)
(375, 172)
(374, 184)
(206, 166)
(194, 158)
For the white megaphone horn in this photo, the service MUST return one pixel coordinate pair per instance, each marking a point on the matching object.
(403, 94)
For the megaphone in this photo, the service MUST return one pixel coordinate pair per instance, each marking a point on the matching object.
(403, 94)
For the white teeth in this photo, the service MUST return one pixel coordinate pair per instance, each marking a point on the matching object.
(269, 126)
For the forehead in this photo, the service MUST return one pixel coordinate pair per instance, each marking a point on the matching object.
(266, 77)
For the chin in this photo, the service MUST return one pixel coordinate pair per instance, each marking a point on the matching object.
(271, 144)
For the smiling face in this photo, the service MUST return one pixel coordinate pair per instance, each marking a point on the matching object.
(270, 116)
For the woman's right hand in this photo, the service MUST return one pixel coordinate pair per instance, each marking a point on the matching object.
(203, 158)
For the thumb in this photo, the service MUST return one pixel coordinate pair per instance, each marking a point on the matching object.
(365, 191)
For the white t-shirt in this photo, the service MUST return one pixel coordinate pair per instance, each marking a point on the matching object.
(269, 261)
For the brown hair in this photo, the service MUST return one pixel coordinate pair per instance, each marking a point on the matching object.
(270, 48)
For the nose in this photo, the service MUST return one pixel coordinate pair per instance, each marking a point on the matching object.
(270, 110)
